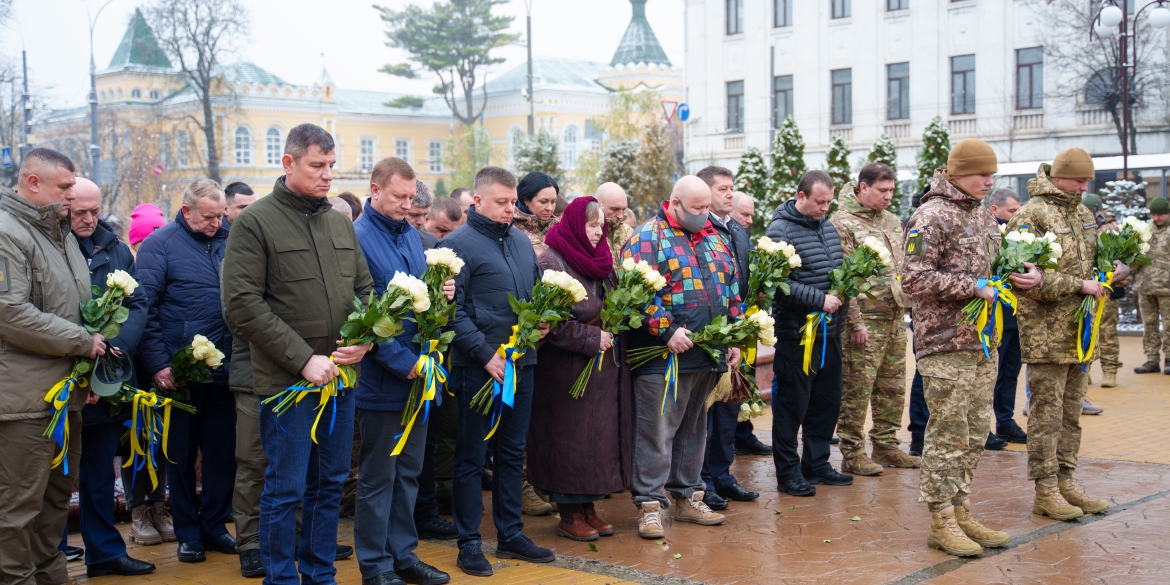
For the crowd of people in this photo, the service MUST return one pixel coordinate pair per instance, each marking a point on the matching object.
(271, 280)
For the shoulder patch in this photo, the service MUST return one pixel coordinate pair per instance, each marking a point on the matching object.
(3, 275)
(915, 243)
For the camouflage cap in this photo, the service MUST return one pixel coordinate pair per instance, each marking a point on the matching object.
(1073, 163)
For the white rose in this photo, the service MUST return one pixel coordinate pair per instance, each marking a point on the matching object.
(1002, 229)
(1057, 250)
(757, 410)
(1013, 236)
(794, 261)
(416, 288)
(216, 360)
(643, 267)
(1051, 237)
(1145, 247)
(122, 280)
(628, 264)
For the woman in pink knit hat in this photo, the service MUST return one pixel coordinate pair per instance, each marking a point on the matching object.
(143, 221)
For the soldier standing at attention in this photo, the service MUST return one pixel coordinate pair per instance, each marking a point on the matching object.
(1108, 348)
(1049, 338)
(950, 243)
(875, 349)
(1153, 286)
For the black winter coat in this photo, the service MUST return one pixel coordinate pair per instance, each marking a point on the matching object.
(820, 252)
(498, 261)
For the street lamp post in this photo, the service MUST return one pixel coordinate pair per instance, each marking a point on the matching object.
(95, 151)
(531, 102)
(1110, 22)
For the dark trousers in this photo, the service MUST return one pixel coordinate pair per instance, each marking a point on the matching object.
(720, 454)
(425, 506)
(744, 435)
(507, 451)
(1004, 398)
(805, 403)
(383, 522)
(919, 413)
(212, 432)
(95, 492)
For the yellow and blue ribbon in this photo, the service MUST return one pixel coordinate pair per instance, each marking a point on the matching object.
(1090, 324)
(990, 320)
(58, 397)
(293, 395)
(147, 431)
(430, 374)
(671, 379)
(505, 391)
(809, 336)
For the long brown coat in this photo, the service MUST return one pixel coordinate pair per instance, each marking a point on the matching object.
(580, 446)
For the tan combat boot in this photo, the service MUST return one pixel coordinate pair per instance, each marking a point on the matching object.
(532, 504)
(160, 516)
(1109, 379)
(860, 464)
(650, 521)
(1068, 489)
(142, 530)
(892, 456)
(694, 510)
(982, 535)
(1049, 502)
(946, 535)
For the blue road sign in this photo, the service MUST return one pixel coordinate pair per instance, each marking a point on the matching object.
(683, 112)
(6, 156)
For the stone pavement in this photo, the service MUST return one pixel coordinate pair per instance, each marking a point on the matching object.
(871, 532)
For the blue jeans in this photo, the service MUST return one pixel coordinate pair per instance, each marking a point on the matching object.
(1004, 398)
(211, 431)
(720, 454)
(95, 492)
(301, 472)
(507, 449)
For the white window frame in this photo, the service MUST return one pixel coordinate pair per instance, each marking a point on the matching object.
(366, 160)
(569, 154)
(402, 148)
(435, 154)
(273, 148)
(181, 144)
(244, 155)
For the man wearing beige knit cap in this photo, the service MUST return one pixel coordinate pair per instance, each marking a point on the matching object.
(1048, 338)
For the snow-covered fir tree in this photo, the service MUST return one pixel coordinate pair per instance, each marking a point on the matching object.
(1122, 199)
(936, 145)
(787, 169)
(752, 176)
(837, 162)
(883, 151)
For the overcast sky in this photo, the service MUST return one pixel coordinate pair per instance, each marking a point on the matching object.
(295, 38)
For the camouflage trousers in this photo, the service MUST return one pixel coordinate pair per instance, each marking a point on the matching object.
(1054, 423)
(958, 386)
(1108, 349)
(1152, 307)
(875, 376)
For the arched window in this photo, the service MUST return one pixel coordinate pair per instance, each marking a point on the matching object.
(154, 94)
(570, 147)
(273, 146)
(136, 94)
(243, 146)
(514, 139)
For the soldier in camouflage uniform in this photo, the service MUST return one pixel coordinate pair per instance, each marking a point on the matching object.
(1108, 348)
(875, 350)
(1153, 285)
(1049, 338)
(951, 241)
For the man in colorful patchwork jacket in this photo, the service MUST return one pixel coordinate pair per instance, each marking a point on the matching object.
(671, 432)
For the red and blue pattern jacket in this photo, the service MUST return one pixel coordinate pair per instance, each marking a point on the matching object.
(701, 284)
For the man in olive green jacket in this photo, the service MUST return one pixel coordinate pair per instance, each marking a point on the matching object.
(290, 274)
(43, 281)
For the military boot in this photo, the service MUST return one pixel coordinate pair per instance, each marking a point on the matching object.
(982, 535)
(1167, 370)
(532, 505)
(860, 465)
(892, 456)
(1068, 489)
(142, 530)
(1049, 502)
(1109, 379)
(1150, 367)
(946, 535)
(694, 510)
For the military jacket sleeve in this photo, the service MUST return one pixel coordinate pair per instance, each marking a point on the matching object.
(1079, 242)
(22, 323)
(848, 245)
(935, 264)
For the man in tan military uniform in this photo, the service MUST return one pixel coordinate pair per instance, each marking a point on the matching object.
(1153, 286)
(1049, 338)
(1108, 348)
(951, 241)
(875, 349)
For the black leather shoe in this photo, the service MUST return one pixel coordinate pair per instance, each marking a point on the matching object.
(423, 574)
(714, 501)
(472, 561)
(756, 448)
(387, 578)
(994, 443)
(437, 528)
(916, 446)
(223, 544)
(1012, 434)
(736, 493)
(72, 553)
(830, 477)
(522, 548)
(250, 564)
(124, 566)
(797, 486)
(344, 551)
(191, 551)
(835, 440)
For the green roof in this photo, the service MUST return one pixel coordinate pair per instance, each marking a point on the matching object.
(139, 47)
(639, 45)
(549, 74)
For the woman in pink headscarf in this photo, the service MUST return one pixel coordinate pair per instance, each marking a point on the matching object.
(143, 221)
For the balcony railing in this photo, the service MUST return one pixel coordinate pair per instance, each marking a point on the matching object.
(845, 132)
(1093, 117)
(961, 126)
(898, 129)
(733, 142)
(1028, 121)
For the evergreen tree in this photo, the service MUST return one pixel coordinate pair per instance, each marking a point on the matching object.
(787, 169)
(441, 188)
(655, 167)
(837, 161)
(1123, 199)
(936, 145)
(752, 176)
(538, 153)
(883, 151)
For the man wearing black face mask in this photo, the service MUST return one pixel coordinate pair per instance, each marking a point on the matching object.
(670, 433)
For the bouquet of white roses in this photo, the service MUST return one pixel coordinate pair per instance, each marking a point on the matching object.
(623, 310)
(848, 281)
(1019, 246)
(1127, 244)
(771, 263)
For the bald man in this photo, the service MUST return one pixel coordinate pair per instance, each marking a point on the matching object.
(615, 204)
(743, 209)
(670, 433)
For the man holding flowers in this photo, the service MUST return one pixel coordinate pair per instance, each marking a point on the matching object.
(290, 274)
(1052, 338)
(951, 242)
(670, 432)
(500, 266)
(384, 528)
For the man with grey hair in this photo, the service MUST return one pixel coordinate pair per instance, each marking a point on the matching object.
(615, 205)
(1003, 203)
(342, 206)
(420, 209)
(743, 209)
(292, 269)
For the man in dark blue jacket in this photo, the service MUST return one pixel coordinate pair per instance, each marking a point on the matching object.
(105, 551)
(383, 526)
(499, 261)
(179, 267)
(809, 401)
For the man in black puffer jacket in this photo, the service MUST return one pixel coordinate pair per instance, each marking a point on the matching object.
(812, 400)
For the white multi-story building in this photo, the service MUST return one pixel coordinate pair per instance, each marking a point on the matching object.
(858, 68)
